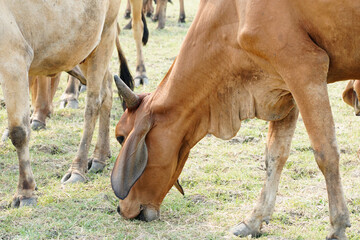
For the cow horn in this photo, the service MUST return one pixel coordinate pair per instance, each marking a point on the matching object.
(130, 98)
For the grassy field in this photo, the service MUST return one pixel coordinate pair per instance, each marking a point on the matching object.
(221, 179)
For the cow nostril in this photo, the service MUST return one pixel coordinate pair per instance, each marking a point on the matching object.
(118, 209)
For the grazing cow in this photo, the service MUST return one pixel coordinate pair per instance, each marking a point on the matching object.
(351, 95)
(48, 43)
(241, 60)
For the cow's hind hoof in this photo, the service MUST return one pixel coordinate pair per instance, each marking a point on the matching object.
(181, 19)
(37, 125)
(72, 177)
(95, 166)
(127, 14)
(242, 230)
(73, 104)
(141, 80)
(24, 202)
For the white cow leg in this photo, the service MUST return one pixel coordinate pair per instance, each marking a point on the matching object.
(277, 151)
(15, 85)
(95, 68)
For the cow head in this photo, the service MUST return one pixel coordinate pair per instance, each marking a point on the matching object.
(351, 95)
(141, 177)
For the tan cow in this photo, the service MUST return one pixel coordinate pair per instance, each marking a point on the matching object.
(351, 95)
(45, 44)
(241, 60)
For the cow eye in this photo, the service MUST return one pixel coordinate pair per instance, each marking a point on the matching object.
(120, 139)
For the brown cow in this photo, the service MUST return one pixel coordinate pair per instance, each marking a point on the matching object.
(241, 60)
(351, 95)
(45, 44)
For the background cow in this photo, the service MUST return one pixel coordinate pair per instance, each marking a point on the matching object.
(250, 59)
(57, 47)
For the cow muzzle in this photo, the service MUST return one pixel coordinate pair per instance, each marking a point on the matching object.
(147, 213)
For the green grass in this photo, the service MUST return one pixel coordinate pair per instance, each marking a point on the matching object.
(221, 179)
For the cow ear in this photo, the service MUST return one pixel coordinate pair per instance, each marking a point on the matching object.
(132, 160)
(348, 93)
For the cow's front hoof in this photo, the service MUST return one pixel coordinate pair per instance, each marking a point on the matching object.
(37, 125)
(73, 104)
(128, 26)
(242, 230)
(95, 166)
(23, 202)
(155, 18)
(141, 80)
(73, 177)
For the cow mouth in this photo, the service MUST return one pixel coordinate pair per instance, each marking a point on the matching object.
(146, 214)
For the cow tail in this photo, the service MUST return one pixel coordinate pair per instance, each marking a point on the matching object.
(145, 37)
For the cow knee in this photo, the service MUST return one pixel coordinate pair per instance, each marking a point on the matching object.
(18, 136)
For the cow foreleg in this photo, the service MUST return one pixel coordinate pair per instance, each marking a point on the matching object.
(276, 153)
(15, 85)
(102, 149)
(95, 67)
(138, 31)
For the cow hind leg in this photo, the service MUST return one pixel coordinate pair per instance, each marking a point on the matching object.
(277, 151)
(102, 149)
(97, 102)
(69, 98)
(15, 85)
(138, 31)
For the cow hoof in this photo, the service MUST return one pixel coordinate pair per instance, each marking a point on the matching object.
(82, 88)
(95, 166)
(5, 135)
(242, 230)
(181, 19)
(160, 26)
(128, 26)
(24, 202)
(72, 177)
(141, 79)
(155, 18)
(73, 104)
(127, 14)
(149, 14)
(37, 125)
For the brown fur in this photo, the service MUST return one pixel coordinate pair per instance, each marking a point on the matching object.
(245, 59)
